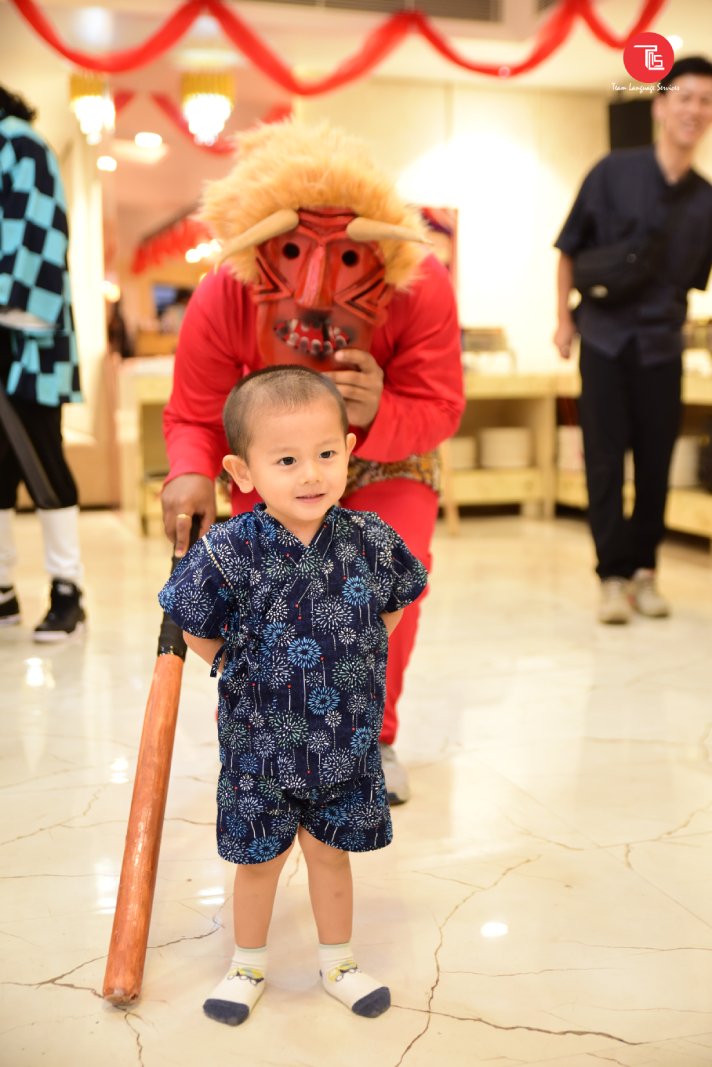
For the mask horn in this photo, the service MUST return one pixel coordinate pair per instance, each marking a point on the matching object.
(362, 229)
(279, 222)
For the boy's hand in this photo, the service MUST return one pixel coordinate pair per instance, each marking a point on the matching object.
(391, 619)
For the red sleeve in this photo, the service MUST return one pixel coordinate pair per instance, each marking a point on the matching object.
(419, 351)
(216, 348)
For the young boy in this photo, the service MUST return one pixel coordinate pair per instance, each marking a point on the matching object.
(292, 604)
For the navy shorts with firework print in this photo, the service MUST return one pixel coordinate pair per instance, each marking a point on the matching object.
(258, 818)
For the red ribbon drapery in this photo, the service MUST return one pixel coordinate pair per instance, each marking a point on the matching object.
(374, 49)
(172, 242)
(606, 36)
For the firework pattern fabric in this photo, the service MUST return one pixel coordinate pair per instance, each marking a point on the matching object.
(302, 690)
(33, 267)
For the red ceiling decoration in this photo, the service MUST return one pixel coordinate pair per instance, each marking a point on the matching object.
(171, 242)
(383, 40)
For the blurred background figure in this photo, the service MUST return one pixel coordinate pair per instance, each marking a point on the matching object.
(649, 204)
(172, 316)
(38, 362)
(117, 332)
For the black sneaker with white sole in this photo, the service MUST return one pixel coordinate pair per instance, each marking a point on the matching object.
(65, 616)
(9, 607)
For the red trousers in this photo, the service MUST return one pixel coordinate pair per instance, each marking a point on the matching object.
(411, 508)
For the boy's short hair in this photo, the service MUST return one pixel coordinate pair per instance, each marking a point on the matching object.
(286, 386)
(687, 65)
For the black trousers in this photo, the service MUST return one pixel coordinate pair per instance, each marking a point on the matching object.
(44, 428)
(626, 405)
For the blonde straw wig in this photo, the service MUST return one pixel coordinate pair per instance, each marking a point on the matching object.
(291, 165)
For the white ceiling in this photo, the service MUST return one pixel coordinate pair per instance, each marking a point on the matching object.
(311, 41)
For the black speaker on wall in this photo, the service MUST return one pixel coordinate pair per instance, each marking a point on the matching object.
(630, 123)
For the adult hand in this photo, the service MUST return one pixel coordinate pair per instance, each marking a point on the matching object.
(360, 384)
(564, 336)
(181, 499)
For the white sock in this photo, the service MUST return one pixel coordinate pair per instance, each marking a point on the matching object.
(8, 555)
(233, 999)
(60, 534)
(342, 979)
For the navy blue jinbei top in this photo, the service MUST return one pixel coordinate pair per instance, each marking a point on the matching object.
(302, 691)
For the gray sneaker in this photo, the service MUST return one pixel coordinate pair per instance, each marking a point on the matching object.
(396, 776)
(614, 607)
(645, 596)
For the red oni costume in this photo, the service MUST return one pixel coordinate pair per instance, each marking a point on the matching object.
(317, 284)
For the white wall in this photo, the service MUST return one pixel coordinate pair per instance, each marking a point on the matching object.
(509, 160)
(87, 426)
(86, 270)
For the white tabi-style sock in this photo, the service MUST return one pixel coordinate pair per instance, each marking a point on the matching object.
(60, 533)
(8, 554)
(342, 979)
(233, 999)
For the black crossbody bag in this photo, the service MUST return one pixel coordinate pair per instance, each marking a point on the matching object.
(617, 273)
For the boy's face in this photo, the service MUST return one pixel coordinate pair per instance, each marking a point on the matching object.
(297, 461)
(684, 112)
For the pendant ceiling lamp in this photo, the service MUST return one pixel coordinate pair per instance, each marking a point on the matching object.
(91, 102)
(207, 99)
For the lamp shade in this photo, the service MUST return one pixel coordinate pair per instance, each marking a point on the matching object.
(207, 99)
(91, 102)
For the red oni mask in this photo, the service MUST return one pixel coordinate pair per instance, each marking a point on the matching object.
(319, 291)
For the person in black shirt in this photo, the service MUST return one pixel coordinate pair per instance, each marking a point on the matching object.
(631, 351)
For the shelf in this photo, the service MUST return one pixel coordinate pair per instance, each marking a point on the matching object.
(571, 491)
(505, 400)
(497, 486)
(493, 400)
(688, 510)
(508, 386)
(696, 389)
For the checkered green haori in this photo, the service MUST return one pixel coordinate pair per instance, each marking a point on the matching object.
(33, 267)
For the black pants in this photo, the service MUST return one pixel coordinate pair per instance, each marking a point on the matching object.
(44, 428)
(625, 405)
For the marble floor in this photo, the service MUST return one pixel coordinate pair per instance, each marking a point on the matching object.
(547, 896)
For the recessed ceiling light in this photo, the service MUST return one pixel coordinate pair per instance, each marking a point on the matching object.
(111, 291)
(146, 139)
(129, 152)
(106, 163)
(208, 58)
(94, 26)
(675, 41)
